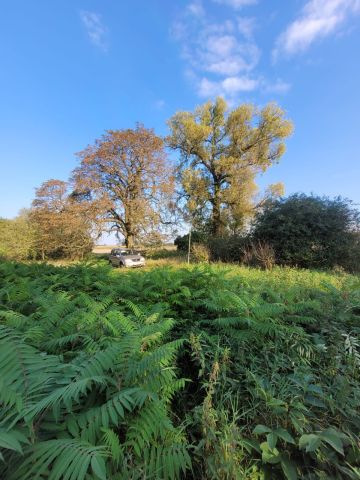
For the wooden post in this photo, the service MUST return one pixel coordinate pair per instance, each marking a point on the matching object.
(189, 247)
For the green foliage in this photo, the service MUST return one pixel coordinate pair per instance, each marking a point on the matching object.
(311, 232)
(228, 249)
(17, 237)
(200, 372)
(182, 242)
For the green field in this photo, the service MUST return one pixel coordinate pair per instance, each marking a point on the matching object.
(175, 371)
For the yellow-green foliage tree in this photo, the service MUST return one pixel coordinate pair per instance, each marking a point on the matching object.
(17, 237)
(222, 151)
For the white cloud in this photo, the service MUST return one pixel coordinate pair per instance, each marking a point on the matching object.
(222, 49)
(95, 28)
(228, 87)
(237, 4)
(318, 19)
(221, 57)
(239, 84)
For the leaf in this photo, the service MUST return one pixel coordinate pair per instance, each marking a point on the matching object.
(289, 468)
(284, 435)
(333, 438)
(310, 442)
(269, 455)
(250, 445)
(316, 402)
(8, 440)
(272, 440)
(98, 467)
(260, 429)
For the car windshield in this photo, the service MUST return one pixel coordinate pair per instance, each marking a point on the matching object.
(129, 252)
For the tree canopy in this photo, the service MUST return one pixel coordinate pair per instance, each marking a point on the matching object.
(126, 174)
(62, 224)
(221, 153)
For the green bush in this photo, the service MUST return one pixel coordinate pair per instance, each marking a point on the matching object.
(228, 249)
(17, 238)
(311, 232)
(182, 242)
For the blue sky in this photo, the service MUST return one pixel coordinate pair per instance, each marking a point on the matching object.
(71, 69)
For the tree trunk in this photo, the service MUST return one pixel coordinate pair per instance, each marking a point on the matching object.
(129, 230)
(129, 240)
(216, 223)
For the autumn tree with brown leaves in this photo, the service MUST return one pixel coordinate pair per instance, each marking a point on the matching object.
(62, 224)
(221, 153)
(126, 173)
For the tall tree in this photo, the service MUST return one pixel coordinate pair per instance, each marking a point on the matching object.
(221, 154)
(63, 225)
(127, 174)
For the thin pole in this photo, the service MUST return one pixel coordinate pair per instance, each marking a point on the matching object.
(189, 247)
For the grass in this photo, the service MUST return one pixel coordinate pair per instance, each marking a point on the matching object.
(264, 370)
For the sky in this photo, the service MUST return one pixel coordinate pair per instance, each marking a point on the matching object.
(71, 69)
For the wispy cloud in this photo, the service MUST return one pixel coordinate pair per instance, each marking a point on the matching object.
(318, 19)
(237, 4)
(220, 56)
(228, 87)
(277, 87)
(96, 30)
(196, 8)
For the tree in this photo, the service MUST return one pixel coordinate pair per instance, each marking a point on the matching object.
(127, 175)
(62, 224)
(311, 232)
(221, 153)
(17, 237)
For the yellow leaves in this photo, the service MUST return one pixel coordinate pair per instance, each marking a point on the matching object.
(187, 134)
(240, 117)
(275, 190)
(272, 116)
(223, 151)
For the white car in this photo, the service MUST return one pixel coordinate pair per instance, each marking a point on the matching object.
(121, 257)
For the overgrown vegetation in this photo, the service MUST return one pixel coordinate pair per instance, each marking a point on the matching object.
(297, 231)
(311, 232)
(201, 372)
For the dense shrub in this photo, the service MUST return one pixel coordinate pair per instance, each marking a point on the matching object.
(311, 232)
(17, 238)
(200, 252)
(182, 241)
(228, 249)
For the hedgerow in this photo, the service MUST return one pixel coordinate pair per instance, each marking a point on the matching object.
(200, 372)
